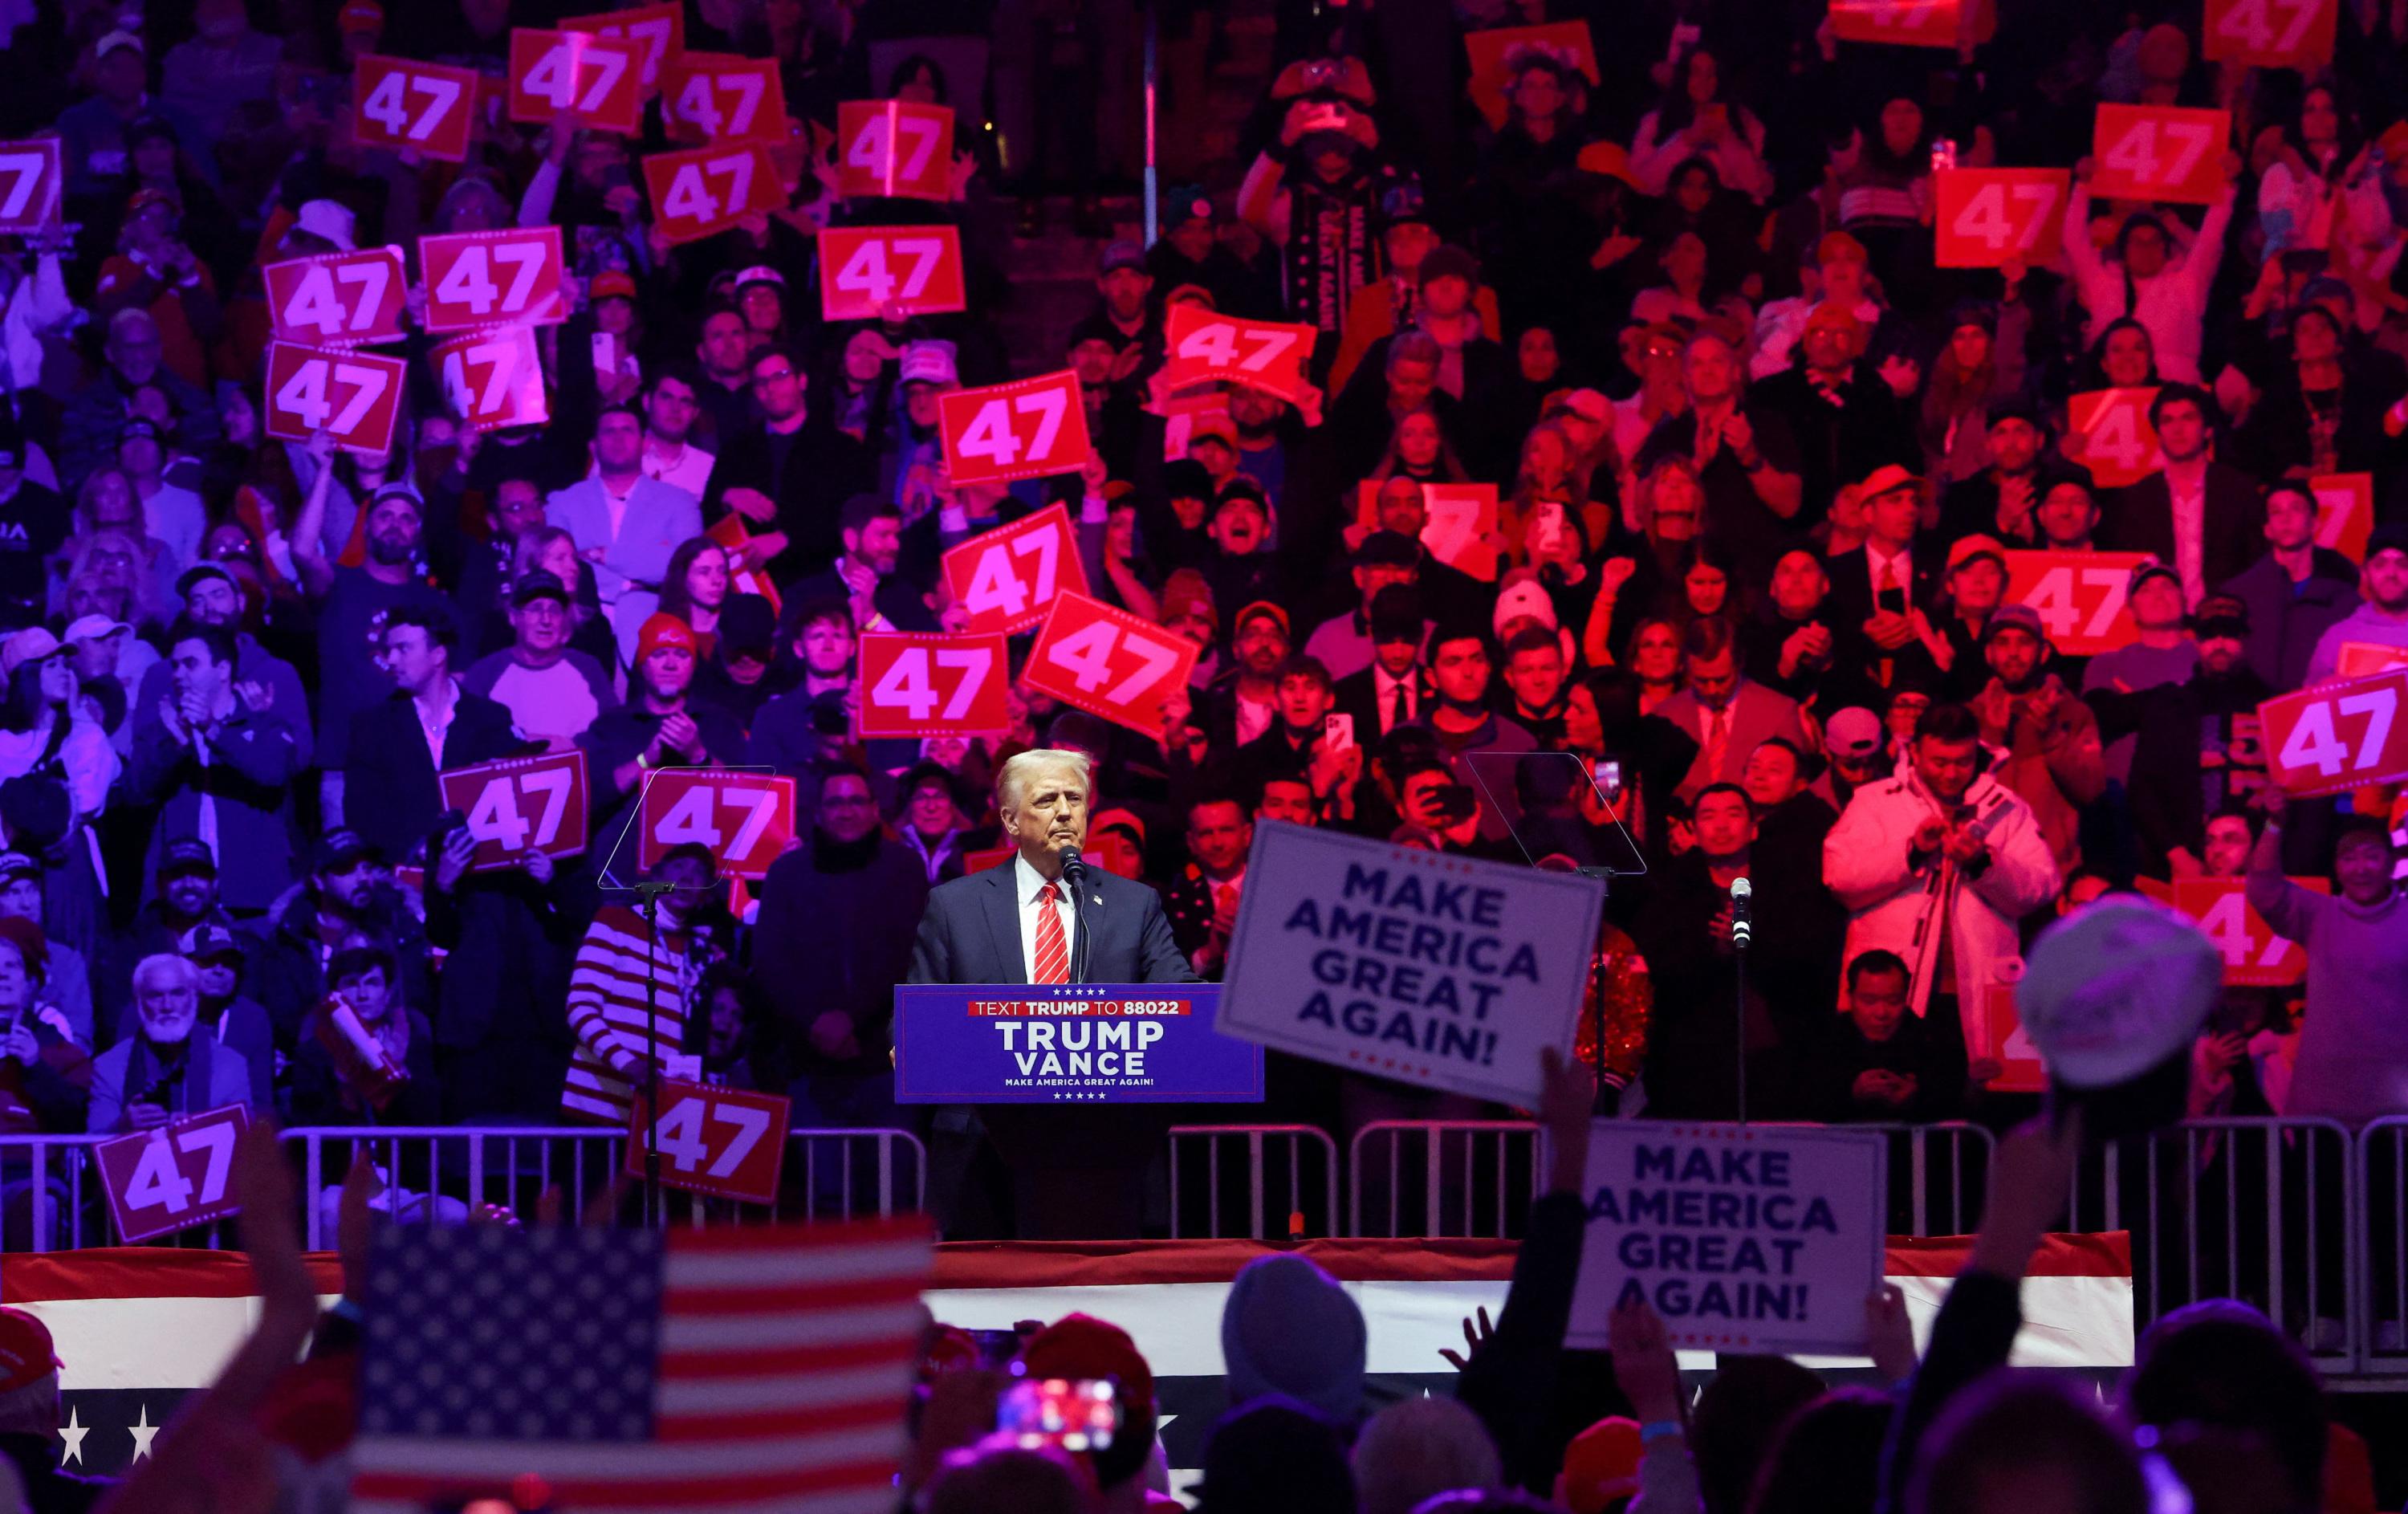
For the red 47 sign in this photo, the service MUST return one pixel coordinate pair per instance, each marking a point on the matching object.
(658, 32)
(2119, 446)
(2270, 33)
(723, 98)
(595, 76)
(1108, 662)
(1204, 345)
(340, 299)
(494, 379)
(1989, 217)
(895, 149)
(703, 193)
(2158, 153)
(2337, 736)
(1914, 24)
(522, 804)
(174, 1178)
(478, 279)
(915, 683)
(30, 181)
(1007, 578)
(2079, 595)
(744, 819)
(355, 396)
(2254, 955)
(728, 1142)
(2344, 512)
(867, 272)
(427, 108)
(1025, 429)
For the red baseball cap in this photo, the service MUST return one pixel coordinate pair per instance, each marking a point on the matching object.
(1600, 1465)
(611, 284)
(664, 630)
(360, 16)
(1083, 1345)
(27, 1353)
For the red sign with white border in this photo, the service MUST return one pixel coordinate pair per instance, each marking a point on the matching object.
(2158, 153)
(1007, 578)
(407, 105)
(1202, 345)
(869, 272)
(2080, 597)
(1108, 662)
(1028, 429)
(1989, 217)
(723, 98)
(658, 32)
(920, 684)
(2344, 512)
(2254, 955)
(163, 1180)
(2020, 1068)
(599, 80)
(895, 150)
(728, 1142)
(2336, 736)
(338, 299)
(1908, 23)
(744, 819)
(522, 804)
(31, 182)
(703, 192)
(480, 278)
(2270, 34)
(2119, 446)
(355, 396)
(494, 379)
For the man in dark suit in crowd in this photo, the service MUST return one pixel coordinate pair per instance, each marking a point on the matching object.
(428, 724)
(1076, 1170)
(2203, 516)
(1876, 587)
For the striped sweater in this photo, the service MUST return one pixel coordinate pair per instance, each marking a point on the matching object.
(607, 1011)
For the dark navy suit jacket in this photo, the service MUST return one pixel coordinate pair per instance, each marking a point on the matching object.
(971, 932)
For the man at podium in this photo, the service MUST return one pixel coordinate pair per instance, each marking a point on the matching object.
(1020, 923)
(1078, 1171)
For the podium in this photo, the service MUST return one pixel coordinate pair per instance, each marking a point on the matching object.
(1077, 1084)
(1069, 1043)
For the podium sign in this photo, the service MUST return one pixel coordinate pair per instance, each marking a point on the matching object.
(1061, 1043)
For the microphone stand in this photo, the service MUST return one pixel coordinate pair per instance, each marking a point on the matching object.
(1074, 877)
(649, 894)
(1742, 933)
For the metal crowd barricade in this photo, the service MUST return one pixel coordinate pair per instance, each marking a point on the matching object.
(1480, 1177)
(2381, 1249)
(1278, 1178)
(2264, 1210)
(1471, 1177)
(51, 1197)
(437, 1174)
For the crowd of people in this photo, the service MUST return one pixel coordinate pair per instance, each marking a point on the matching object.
(2219, 1411)
(1759, 468)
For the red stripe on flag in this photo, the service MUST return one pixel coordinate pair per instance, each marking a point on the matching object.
(808, 1298)
(687, 1366)
(773, 1424)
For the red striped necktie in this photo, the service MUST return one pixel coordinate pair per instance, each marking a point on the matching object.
(1052, 950)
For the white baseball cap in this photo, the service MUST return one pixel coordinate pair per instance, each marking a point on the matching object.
(331, 219)
(2116, 991)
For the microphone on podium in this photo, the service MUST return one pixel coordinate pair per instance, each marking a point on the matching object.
(1074, 867)
(1741, 893)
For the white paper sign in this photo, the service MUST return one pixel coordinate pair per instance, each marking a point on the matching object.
(1753, 1238)
(1408, 964)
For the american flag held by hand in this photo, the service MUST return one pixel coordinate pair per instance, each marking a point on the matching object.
(760, 1369)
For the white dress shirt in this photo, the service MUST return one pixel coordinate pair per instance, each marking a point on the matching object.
(1028, 885)
(2188, 505)
(1384, 691)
